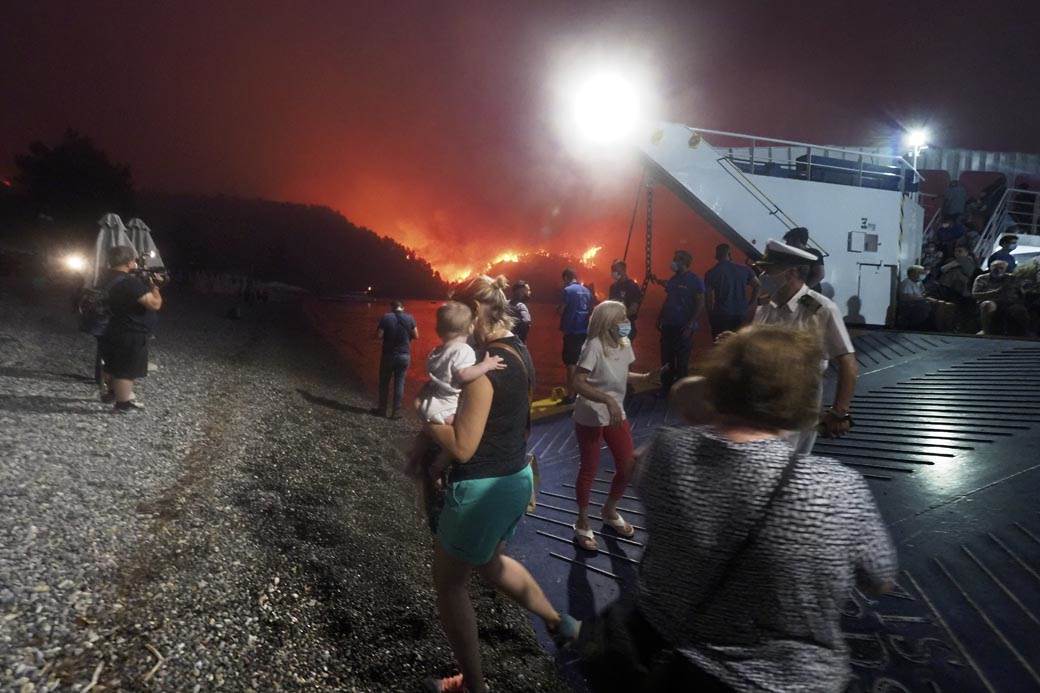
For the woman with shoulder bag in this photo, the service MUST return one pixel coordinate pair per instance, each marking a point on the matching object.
(751, 549)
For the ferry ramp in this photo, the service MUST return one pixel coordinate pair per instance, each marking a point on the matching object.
(947, 432)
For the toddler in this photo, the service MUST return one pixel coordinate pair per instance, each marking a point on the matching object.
(451, 365)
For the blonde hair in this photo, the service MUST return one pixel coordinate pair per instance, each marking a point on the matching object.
(766, 375)
(482, 290)
(453, 319)
(605, 316)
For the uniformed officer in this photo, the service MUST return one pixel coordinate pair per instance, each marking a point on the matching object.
(792, 303)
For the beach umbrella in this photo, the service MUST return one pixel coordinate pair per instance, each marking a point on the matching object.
(141, 239)
(112, 232)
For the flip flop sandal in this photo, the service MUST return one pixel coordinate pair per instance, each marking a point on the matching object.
(619, 525)
(584, 539)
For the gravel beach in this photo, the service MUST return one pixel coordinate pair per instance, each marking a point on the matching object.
(246, 531)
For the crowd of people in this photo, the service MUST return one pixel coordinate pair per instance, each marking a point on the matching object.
(949, 292)
(719, 567)
(951, 289)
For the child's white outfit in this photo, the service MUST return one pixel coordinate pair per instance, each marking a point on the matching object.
(439, 397)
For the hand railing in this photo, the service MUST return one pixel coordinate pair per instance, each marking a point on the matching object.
(1016, 212)
(863, 166)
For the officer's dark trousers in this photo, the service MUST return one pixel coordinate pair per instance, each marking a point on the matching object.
(675, 355)
(395, 366)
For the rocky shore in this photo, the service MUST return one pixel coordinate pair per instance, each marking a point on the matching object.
(246, 531)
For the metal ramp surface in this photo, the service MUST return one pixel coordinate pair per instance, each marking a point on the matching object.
(947, 433)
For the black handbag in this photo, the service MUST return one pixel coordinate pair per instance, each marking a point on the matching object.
(621, 651)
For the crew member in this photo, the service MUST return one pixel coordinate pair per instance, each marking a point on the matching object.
(794, 304)
(625, 290)
(677, 322)
(727, 292)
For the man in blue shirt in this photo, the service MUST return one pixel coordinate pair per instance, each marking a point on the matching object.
(574, 309)
(726, 294)
(683, 302)
(396, 330)
(1008, 243)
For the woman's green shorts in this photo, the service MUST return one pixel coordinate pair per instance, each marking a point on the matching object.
(479, 514)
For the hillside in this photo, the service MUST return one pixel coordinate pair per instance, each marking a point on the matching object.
(307, 245)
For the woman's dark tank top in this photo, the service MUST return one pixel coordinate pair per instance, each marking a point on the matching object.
(502, 448)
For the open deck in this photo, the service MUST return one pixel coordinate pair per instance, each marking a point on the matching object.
(947, 433)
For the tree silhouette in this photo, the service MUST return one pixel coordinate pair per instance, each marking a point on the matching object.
(73, 182)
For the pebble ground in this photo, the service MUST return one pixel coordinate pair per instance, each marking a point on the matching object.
(246, 531)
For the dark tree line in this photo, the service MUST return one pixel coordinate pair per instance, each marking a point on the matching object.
(59, 193)
(310, 246)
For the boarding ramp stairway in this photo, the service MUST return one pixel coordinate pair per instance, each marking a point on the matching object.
(1018, 212)
(946, 433)
(858, 207)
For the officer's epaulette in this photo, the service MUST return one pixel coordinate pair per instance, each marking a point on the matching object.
(810, 303)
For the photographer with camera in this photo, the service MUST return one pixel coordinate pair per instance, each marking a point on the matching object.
(132, 300)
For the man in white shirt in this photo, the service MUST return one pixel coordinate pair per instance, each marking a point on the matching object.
(795, 304)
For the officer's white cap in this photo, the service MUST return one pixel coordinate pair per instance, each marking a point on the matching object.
(778, 253)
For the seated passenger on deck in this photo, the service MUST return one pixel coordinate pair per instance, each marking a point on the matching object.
(1001, 310)
(913, 308)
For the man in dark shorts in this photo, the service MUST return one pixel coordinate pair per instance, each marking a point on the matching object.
(726, 292)
(625, 290)
(396, 330)
(132, 302)
(574, 309)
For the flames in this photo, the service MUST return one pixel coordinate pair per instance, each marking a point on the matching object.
(455, 274)
(589, 255)
(507, 256)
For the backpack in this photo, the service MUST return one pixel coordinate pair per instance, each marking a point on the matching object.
(93, 309)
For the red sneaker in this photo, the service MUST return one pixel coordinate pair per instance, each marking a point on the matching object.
(451, 684)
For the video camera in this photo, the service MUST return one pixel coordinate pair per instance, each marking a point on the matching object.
(151, 275)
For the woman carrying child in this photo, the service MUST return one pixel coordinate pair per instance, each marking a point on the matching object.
(488, 489)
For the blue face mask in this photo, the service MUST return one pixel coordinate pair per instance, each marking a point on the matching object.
(1011, 246)
(624, 329)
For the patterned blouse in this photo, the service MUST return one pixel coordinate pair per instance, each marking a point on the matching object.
(775, 623)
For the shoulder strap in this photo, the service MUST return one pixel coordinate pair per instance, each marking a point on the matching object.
(752, 536)
(506, 346)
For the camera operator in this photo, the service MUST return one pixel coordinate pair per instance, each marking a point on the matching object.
(132, 301)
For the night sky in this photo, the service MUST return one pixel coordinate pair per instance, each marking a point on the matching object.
(435, 123)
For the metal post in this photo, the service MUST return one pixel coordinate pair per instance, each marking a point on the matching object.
(808, 163)
(649, 231)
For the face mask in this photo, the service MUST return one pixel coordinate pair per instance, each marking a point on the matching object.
(998, 276)
(676, 266)
(771, 283)
(616, 276)
(1011, 246)
(624, 329)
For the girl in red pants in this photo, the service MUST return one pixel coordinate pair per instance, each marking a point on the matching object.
(600, 384)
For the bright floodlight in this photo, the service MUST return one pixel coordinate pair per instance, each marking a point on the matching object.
(606, 108)
(917, 138)
(75, 263)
